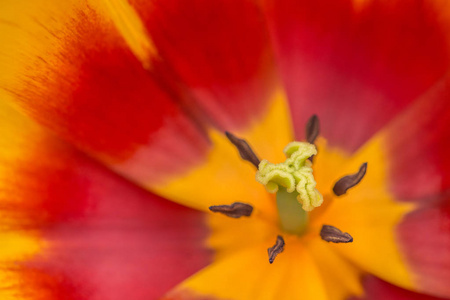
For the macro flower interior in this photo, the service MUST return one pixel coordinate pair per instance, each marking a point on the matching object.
(115, 148)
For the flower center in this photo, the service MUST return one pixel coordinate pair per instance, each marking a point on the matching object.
(295, 188)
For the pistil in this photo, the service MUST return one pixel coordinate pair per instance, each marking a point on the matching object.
(293, 218)
(294, 184)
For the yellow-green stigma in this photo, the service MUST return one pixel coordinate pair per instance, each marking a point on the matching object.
(294, 184)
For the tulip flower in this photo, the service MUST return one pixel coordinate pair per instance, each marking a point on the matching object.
(226, 149)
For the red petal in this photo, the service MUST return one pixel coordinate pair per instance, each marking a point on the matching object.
(220, 50)
(356, 65)
(424, 236)
(376, 289)
(418, 146)
(130, 245)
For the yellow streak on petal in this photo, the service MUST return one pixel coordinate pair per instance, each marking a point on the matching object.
(224, 177)
(30, 31)
(9, 279)
(368, 212)
(16, 245)
(130, 26)
(359, 5)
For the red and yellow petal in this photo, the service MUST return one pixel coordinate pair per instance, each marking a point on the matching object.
(68, 66)
(357, 64)
(72, 229)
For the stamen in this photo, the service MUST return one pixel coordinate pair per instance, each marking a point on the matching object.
(332, 234)
(276, 249)
(312, 129)
(349, 181)
(244, 148)
(235, 210)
